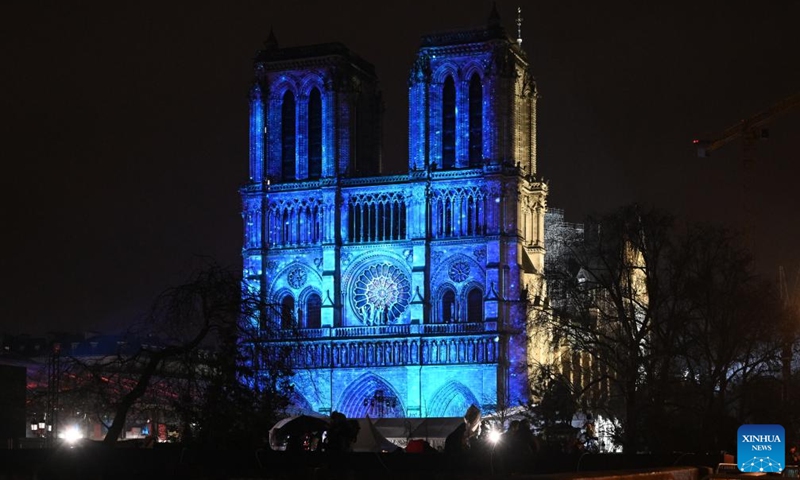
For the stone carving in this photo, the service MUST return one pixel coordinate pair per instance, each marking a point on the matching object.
(421, 70)
(459, 271)
(297, 277)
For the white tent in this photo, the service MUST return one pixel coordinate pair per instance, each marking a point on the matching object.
(370, 439)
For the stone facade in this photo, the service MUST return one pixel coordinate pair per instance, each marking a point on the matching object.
(401, 295)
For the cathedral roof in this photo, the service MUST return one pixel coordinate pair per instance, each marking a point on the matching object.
(493, 30)
(273, 54)
(466, 36)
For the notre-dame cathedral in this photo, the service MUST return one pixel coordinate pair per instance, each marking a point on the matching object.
(401, 295)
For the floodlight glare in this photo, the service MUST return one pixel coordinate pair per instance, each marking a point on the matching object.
(72, 435)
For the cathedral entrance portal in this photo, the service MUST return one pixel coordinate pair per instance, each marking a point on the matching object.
(371, 396)
(379, 405)
(452, 400)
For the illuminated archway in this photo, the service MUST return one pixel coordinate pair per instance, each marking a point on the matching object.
(371, 395)
(451, 400)
(299, 405)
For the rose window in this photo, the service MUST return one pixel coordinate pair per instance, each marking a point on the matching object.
(459, 271)
(381, 294)
(297, 277)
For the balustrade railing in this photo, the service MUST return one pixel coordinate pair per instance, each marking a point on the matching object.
(460, 173)
(314, 332)
(379, 330)
(452, 328)
(391, 330)
(392, 352)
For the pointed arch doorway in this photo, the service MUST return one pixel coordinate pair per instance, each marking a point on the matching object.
(372, 396)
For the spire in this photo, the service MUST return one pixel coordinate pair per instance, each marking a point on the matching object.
(272, 41)
(519, 26)
(494, 16)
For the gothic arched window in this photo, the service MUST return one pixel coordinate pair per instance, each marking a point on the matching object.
(448, 307)
(286, 238)
(475, 305)
(361, 152)
(288, 137)
(448, 217)
(313, 311)
(314, 135)
(287, 311)
(475, 121)
(449, 124)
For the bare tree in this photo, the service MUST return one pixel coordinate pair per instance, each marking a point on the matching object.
(733, 331)
(611, 302)
(198, 354)
(661, 310)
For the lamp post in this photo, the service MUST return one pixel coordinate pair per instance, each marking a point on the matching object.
(39, 428)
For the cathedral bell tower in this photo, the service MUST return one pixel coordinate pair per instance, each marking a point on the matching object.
(314, 114)
(315, 119)
(472, 102)
(472, 125)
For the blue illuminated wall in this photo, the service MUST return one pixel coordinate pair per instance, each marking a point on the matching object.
(401, 295)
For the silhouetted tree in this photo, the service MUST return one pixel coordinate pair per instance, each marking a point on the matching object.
(732, 335)
(202, 359)
(666, 315)
(612, 302)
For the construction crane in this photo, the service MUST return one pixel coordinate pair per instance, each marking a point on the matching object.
(749, 130)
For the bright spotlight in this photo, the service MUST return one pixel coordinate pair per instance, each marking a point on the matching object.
(72, 434)
(494, 436)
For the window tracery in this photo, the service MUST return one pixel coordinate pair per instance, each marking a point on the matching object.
(458, 271)
(475, 121)
(288, 132)
(381, 294)
(297, 277)
(252, 219)
(294, 222)
(376, 217)
(458, 212)
(449, 124)
(314, 134)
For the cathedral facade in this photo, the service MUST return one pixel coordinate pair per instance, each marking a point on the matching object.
(400, 295)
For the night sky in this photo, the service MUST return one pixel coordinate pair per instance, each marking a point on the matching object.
(124, 136)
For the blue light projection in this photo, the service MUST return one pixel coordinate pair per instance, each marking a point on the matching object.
(381, 294)
(256, 135)
(403, 295)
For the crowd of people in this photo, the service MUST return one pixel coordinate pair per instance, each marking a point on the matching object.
(472, 442)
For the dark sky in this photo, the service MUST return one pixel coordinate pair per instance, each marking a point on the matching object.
(124, 136)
